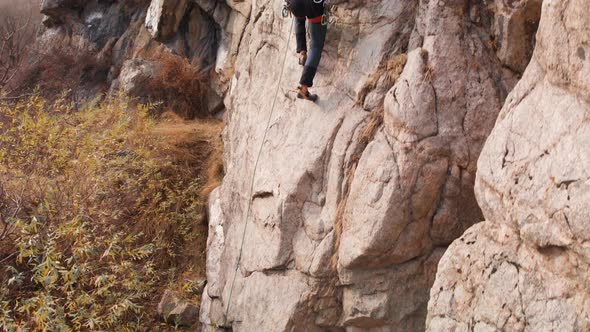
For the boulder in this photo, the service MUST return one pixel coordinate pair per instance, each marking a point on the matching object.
(176, 311)
(135, 75)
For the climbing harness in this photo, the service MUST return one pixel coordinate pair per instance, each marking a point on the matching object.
(328, 17)
(249, 210)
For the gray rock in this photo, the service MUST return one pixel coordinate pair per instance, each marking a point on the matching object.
(123, 31)
(136, 75)
(163, 18)
(55, 8)
(176, 311)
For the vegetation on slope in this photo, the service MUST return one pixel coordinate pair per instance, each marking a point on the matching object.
(100, 209)
(102, 203)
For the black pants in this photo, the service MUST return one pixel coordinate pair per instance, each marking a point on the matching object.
(318, 38)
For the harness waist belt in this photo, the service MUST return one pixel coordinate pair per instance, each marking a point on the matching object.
(314, 19)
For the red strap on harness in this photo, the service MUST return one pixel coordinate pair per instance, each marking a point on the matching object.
(314, 19)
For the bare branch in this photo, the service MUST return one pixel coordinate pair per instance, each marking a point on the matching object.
(24, 95)
(9, 257)
(17, 33)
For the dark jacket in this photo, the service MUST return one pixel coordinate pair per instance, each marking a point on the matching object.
(306, 8)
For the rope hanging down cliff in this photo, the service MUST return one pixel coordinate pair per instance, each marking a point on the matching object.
(270, 116)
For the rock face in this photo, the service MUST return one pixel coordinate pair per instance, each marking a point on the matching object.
(340, 222)
(526, 267)
(163, 18)
(351, 211)
(123, 34)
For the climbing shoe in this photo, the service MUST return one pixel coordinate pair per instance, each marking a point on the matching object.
(307, 95)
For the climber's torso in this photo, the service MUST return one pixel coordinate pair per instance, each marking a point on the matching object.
(312, 9)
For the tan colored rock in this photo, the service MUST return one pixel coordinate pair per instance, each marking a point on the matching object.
(163, 18)
(526, 268)
(349, 213)
(516, 24)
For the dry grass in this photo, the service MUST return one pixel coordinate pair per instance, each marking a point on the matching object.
(90, 174)
(61, 71)
(180, 86)
(195, 150)
(373, 124)
(106, 191)
(196, 143)
(338, 223)
(389, 71)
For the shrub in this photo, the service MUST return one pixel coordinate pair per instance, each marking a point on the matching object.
(387, 73)
(27, 66)
(59, 72)
(180, 86)
(97, 210)
(18, 26)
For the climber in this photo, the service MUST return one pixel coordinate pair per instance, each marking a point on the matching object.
(314, 11)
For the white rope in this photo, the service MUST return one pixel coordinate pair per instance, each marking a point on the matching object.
(270, 116)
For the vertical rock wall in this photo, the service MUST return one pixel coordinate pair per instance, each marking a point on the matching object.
(526, 267)
(352, 210)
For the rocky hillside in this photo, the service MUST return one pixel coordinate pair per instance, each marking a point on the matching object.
(355, 199)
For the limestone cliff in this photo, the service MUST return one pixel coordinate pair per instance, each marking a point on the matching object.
(526, 267)
(350, 212)
(356, 198)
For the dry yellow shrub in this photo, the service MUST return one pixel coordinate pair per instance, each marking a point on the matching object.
(98, 208)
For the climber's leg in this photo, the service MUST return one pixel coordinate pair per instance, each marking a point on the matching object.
(318, 39)
(301, 38)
